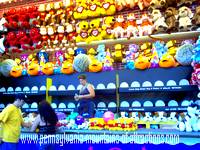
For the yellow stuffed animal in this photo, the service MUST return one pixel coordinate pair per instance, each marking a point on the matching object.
(82, 32)
(108, 7)
(171, 47)
(167, 61)
(80, 11)
(94, 9)
(119, 53)
(107, 27)
(95, 31)
(92, 53)
(142, 63)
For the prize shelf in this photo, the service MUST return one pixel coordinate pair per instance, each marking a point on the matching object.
(135, 40)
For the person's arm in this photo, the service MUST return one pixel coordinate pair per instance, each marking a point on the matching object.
(35, 124)
(91, 93)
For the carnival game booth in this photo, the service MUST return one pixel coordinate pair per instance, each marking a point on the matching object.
(141, 57)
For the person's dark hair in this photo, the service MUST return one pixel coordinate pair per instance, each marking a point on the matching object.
(82, 76)
(47, 113)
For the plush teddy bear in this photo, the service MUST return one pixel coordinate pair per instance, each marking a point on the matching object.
(95, 30)
(50, 16)
(171, 19)
(60, 38)
(80, 11)
(107, 27)
(12, 41)
(60, 13)
(82, 32)
(101, 52)
(190, 122)
(184, 2)
(146, 26)
(12, 19)
(33, 14)
(108, 7)
(35, 38)
(52, 36)
(24, 40)
(143, 3)
(196, 19)
(185, 14)
(159, 21)
(119, 53)
(94, 8)
(119, 27)
(42, 15)
(131, 26)
(44, 36)
(157, 4)
(71, 33)
(23, 20)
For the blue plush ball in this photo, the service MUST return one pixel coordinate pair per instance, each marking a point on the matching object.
(81, 63)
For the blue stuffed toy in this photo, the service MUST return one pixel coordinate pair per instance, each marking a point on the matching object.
(160, 48)
(184, 54)
(101, 49)
(80, 51)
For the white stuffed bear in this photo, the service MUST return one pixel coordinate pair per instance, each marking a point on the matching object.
(131, 26)
(185, 14)
(135, 116)
(190, 123)
(148, 117)
(172, 117)
(161, 117)
(159, 21)
(119, 27)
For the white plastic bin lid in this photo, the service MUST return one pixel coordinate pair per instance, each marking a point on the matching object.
(101, 104)
(135, 84)
(43, 88)
(158, 83)
(26, 89)
(61, 88)
(61, 105)
(148, 104)
(124, 104)
(111, 86)
(53, 88)
(10, 89)
(184, 82)
(71, 105)
(124, 85)
(136, 104)
(160, 103)
(112, 105)
(3, 89)
(146, 84)
(54, 105)
(171, 83)
(18, 89)
(172, 103)
(101, 86)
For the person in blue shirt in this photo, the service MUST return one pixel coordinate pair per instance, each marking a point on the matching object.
(86, 94)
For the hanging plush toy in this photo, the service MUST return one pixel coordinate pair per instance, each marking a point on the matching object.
(185, 14)
(146, 26)
(143, 4)
(171, 19)
(24, 19)
(13, 42)
(94, 9)
(82, 32)
(59, 58)
(108, 7)
(196, 19)
(35, 38)
(80, 11)
(159, 24)
(71, 33)
(12, 19)
(42, 57)
(118, 54)
(95, 31)
(24, 40)
(107, 27)
(108, 62)
(119, 27)
(42, 15)
(44, 36)
(33, 14)
(131, 26)
(52, 37)
(60, 37)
